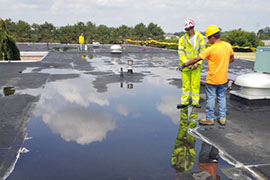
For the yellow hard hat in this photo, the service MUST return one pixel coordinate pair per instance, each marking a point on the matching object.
(210, 30)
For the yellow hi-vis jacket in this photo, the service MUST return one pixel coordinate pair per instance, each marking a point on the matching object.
(185, 49)
(81, 39)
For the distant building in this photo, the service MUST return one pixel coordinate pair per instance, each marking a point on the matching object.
(171, 36)
(266, 42)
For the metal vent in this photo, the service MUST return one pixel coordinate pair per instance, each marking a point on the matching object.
(253, 86)
(116, 49)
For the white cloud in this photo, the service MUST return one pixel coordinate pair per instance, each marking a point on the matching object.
(25, 6)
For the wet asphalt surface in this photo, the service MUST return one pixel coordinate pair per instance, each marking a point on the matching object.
(75, 115)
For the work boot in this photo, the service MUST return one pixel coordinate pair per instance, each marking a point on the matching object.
(222, 121)
(197, 106)
(180, 106)
(206, 122)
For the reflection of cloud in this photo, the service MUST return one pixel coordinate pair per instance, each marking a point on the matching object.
(66, 106)
(122, 109)
(75, 91)
(81, 125)
(168, 107)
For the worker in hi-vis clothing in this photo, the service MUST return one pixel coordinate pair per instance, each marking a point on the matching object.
(190, 45)
(81, 41)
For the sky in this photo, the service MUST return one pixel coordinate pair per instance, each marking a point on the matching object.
(249, 15)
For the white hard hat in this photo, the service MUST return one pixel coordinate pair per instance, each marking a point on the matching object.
(189, 23)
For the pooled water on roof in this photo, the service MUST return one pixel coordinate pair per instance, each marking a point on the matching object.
(108, 125)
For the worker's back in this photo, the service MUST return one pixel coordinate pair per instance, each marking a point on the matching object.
(218, 62)
(81, 39)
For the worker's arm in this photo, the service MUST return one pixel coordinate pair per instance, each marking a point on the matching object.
(231, 58)
(190, 62)
(193, 61)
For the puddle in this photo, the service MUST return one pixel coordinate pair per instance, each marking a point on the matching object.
(51, 71)
(64, 49)
(125, 128)
(7, 91)
(29, 70)
(123, 133)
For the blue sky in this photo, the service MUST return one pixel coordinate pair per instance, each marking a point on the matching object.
(250, 15)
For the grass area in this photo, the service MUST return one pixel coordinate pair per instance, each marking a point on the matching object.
(245, 55)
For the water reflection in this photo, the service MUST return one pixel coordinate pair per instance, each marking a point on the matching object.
(72, 112)
(208, 159)
(167, 107)
(184, 155)
(122, 109)
(82, 125)
(7, 91)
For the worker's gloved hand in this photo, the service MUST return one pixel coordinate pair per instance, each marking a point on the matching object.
(195, 66)
(180, 68)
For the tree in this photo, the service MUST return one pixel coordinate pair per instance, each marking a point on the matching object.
(264, 34)
(242, 38)
(47, 32)
(125, 32)
(115, 37)
(141, 32)
(67, 34)
(23, 32)
(90, 31)
(35, 35)
(155, 32)
(103, 34)
(8, 48)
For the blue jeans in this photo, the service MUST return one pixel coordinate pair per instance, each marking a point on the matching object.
(211, 92)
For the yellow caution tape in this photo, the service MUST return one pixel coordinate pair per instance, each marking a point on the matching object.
(239, 47)
(172, 43)
(152, 41)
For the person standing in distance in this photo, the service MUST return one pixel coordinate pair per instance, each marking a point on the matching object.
(219, 56)
(190, 45)
(81, 41)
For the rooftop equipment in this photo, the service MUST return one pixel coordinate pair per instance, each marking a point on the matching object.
(96, 44)
(116, 49)
(262, 63)
(255, 86)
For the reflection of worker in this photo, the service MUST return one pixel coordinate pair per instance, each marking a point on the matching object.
(81, 41)
(219, 55)
(208, 159)
(190, 45)
(184, 155)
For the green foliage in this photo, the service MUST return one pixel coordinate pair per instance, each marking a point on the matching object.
(103, 34)
(8, 48)
(242, 38)
(264, 34)
(179, 34)
(141, 32)
(47, 32)
(155, 32)
(23, 32)
(174, 47)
